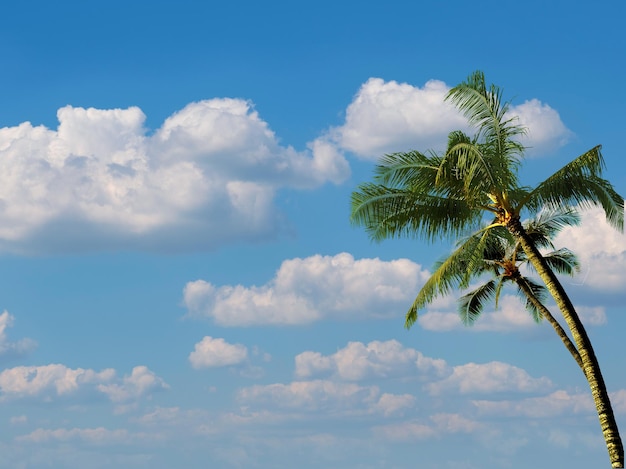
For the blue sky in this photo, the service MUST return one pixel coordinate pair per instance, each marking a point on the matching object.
(181, 286)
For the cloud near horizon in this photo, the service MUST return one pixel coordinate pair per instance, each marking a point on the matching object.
(50, 382)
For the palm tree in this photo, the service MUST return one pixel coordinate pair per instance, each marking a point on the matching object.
(434, 196)
(501, 258)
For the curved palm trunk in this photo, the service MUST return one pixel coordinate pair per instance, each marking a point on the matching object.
(591, 367)
(557, 327)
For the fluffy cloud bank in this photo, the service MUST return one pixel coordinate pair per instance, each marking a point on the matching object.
(385, 117)
(48, 382)
(328, 396)
(207, 176)
(488, 378)
(377, 359)
(306, 290)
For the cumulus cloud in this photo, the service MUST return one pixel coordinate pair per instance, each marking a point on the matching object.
(210, 352)
(492, 377)
(389, 116)
(326, 396)
(377, 359)
(600, 248)
(309, 289)
(545, 132)
(48, 382)
(7, 347)
(206, 177)
(139, 383)
(385, 117)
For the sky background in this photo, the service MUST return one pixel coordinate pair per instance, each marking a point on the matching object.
(180, 283)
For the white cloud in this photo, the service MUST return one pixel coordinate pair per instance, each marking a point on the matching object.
(390, 116)
(8, 348)
(51, 381)
(206, 177)
(310, 395)
(326, 396)
(377, 359)
(489, 377)
(48, 380)
(309, 289)
(210, 352)
(385, 117)
(601, 250)
(139, 383)
(392, 404)
(545, 132)
(557, 403)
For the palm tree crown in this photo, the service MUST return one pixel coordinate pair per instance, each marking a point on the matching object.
(431, 195)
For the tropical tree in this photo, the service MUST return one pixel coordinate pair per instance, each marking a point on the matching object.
(501, 259)
(446, 195)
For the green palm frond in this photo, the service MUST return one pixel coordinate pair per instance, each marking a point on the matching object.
(448, 274)
(475, 257)
(549, 221)
(409, 170)
(472, 304)
(499, 285)
(562, 261)
(579, 183)
(538, 291)
(500, 245)
(484, 109)
(389, 212)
